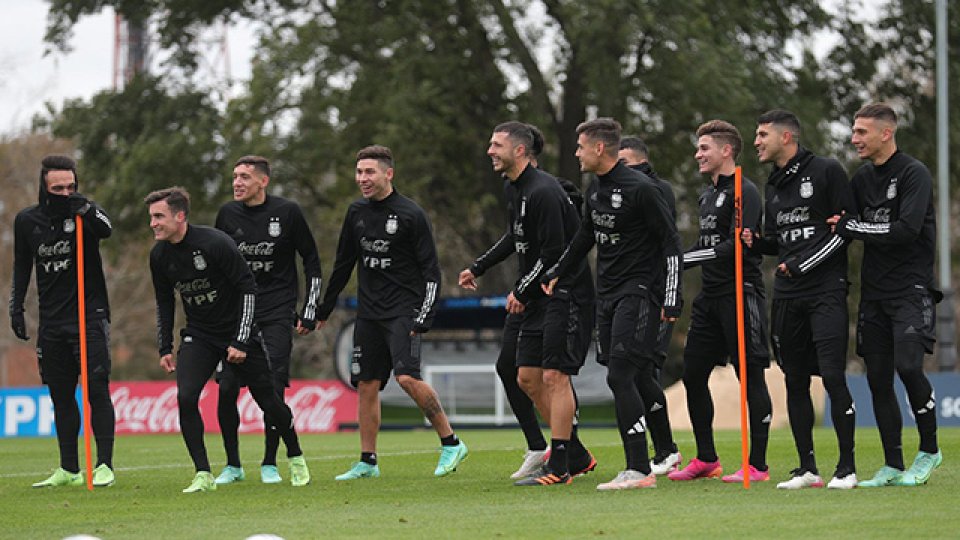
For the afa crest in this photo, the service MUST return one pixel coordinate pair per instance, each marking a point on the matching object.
(616, 199)
(806, 189)
(720, 199)
(273, 229)
(392, 224)
(69, 226)
(198, 261)
(892, 189)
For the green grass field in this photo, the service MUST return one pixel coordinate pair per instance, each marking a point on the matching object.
(478, 501)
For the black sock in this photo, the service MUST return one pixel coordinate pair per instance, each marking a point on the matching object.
(919, 393)
(67, 416)
(271, 438)
(558, 456)
(229, 420)
(886, 410)
(450, 440)
(621, 377)
(369, 458)
(520, 402)
(761, 414)
(102, 420)
(696, 377)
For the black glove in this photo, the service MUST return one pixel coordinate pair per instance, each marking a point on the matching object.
(79, 205)
(19, 326)
(309, 324)
(420, 328)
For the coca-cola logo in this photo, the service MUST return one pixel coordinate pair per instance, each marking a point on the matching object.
(375, 245)
(60, 248)
(260, 248)
(800, 214)
(146, 414)
(313, 409)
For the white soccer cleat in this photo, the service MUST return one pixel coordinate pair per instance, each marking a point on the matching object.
(669, 463)
(629, 479)
(847, 482)
(532, 460)
(802, 479)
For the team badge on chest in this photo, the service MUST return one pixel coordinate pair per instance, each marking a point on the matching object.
(616, 199)
(273, 229)
(806, 188)
(892, 189)
(392, 224)
(69, 226)
(720, 199)
(198, 261)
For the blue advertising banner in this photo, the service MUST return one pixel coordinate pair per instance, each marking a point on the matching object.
(26, 412)
(946, 388)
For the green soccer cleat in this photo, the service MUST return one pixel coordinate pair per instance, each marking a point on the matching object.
(61, 477)
(103, 476)
(203, 481)
(231, 474)
(886, 476)
(270, 475)
(299, 473)
(922, 468)
(360, 469)
(450, 457)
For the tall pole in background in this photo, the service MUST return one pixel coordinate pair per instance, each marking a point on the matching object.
(946, 319)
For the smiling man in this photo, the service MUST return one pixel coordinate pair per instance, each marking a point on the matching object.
(712, 337)
(809, 319)
(270, 232)
(218, 294)
(388, 238)
(895, 219)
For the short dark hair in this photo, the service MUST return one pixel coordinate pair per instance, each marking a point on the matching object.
(636, 144)
(537, 147)
(784, 119)
(377, 152)
(880, 111)
(521, 133)
(57, 162)
(724, 133)
(177, 199)
(605, 130)
(259, 163)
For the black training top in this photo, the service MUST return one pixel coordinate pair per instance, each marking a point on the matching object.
(269, 236)
(45, 238)
(715, 246)
(638, 247)
(391, 243)
(217, 289)
(665, 188)
(800, 197)
(897, 224)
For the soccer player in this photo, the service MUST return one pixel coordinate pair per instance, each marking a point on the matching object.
(389, 238)
(809, 315)
(712, 337)
(638, 284)
(635, 154)
(269, 232)
(552, 333)
(218, 293)
(894, 217)
(45, 238)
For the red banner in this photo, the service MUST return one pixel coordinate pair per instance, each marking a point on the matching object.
(151, 407)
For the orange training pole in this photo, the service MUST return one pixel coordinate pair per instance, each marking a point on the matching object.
(741, 345)
(82, 317)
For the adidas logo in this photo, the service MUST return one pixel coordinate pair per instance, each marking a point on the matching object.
(655, 407)
(850, 412)
(910, 330)
(639, 427)
(767, 419)
(238, 232)
(619, 348)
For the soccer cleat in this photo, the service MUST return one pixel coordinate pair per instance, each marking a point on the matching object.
(299, 473)
(450, 457)
(669, 463)
(545, 477)
(270, 475)
(230, 474)
(802, 478)
(585, 466)
(629, 479)
(756, 475)
(203, 481)
(846, 481)
(103, 476)
(697, 469)
(61, 477)
(922, 468)
(532, 461)
(360, 469)
(886, 476)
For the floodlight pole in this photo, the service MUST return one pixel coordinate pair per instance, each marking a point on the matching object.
(946, 320)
